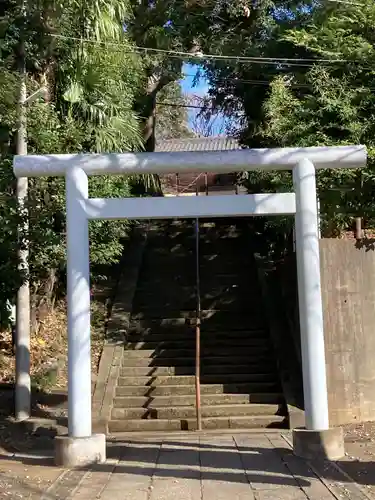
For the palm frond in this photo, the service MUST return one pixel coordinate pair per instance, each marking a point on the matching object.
(74, 93)
(117, 133)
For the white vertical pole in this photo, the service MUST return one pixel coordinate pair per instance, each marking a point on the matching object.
(78, 284)
(310, 298)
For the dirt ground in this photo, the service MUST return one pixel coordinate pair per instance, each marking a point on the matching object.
(26, 481)
(359, 462)
(48, 375)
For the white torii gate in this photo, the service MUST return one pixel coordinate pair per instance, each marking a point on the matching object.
(81, 447)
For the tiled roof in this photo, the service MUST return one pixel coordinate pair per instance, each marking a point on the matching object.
(197, 144)
(191, 182)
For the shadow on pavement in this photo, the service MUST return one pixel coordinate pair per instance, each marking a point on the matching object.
(181, 459)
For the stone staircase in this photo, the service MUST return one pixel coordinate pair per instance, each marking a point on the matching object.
(240, 386)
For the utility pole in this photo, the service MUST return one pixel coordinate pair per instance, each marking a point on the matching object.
(23, 381)
(22, 341)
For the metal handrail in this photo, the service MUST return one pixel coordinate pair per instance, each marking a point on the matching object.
(198, 333)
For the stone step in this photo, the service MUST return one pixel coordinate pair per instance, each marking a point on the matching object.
(211, 319)
(206, 343)
(154, 312)
(213, 287)
(218, 293)
(186, 248)
(170, 354)
(239, 283)
(206, 400)
(172, 260)
(254, 390)
(162, 252)
(182, 412)
(160, 323)
(253, 352)
(254, 378)
(185, 279)
(265, 362)
(186, 236)
(214, 233)
(187, 333)
(229, 322)
(173, 306)
(217, 273)
(157, 371)
(208, 289)
(242, 422)
(206, 266)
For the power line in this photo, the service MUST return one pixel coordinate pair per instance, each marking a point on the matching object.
(348, 3)
(244, 59)
(189, 106)
(253, 82)
(267, 83)
(178, 105)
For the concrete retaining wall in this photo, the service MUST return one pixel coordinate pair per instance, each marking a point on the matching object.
(348, 287)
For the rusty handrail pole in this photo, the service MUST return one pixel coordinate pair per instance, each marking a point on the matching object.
(198, 332)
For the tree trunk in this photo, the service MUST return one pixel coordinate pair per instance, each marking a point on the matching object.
(147, 109)
(149, 122)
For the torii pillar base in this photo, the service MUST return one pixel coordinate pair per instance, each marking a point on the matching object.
(319, 445)
(73, 452)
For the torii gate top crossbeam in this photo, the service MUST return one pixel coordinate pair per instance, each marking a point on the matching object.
(209, 161)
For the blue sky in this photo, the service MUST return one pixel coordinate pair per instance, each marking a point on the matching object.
(200, 89)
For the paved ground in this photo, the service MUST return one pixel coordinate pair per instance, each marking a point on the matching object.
(186, 467)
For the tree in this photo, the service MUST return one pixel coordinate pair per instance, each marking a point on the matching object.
(331, 103)
(205, 120)
(180, 26)
(96, 80)
(238, 87)
(286, 103)
(172, 113)
(89, 108)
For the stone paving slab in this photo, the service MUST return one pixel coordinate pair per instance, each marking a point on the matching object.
(237, 466)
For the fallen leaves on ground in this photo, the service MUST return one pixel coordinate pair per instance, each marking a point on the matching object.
(49, 347)
(48, 357)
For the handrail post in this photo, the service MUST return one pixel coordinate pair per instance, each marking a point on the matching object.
(198, 332)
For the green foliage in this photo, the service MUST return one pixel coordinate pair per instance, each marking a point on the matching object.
(103, 96)
(171, 113)
(10, 278)
(307, 103)
(185, 26)
(89, 108)
(97, 82)
(97, 93)
(9, 275)
(333, 104)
